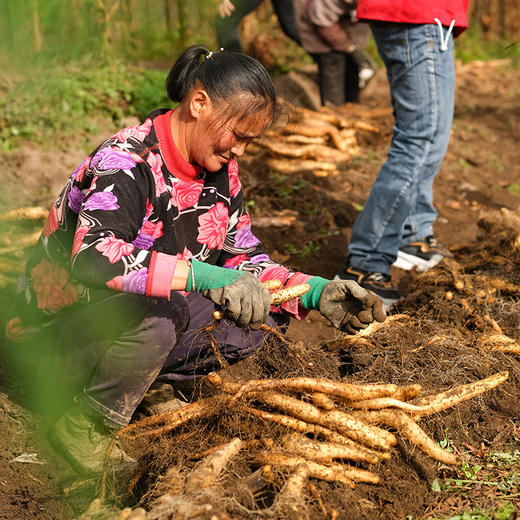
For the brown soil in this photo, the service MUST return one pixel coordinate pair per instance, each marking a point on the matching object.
(442, 344)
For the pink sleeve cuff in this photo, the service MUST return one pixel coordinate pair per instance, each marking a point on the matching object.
(160, 275)
(294, 307)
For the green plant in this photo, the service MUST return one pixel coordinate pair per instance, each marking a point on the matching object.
(311, 209)
(52, 104)
(472, 46)
(506, 511)
(445, 443)
(309, 249)
(249, 204)
(285, 188)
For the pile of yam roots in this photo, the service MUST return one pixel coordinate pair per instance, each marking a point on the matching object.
(316, 141)
(333, 430)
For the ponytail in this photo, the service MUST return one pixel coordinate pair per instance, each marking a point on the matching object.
(225, 76)
(184, 71)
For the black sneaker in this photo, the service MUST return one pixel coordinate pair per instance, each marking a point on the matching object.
(423, 254)
(379, 283)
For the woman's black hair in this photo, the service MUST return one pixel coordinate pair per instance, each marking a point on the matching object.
(225, 75)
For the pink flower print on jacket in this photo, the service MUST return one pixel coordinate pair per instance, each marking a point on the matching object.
(235, 260)
(245, 238)
(138, 132)
(105, 200)
(112, 159)
(148, 233)
(244, 221)
(155, 162)
(78, 173)
(213, 226)
(75, 198)
(186, 194)
(51, 225)
(132, 282)
(185, 255)
(80, 234)
(51, 285)
(114, 248)
(234, 182)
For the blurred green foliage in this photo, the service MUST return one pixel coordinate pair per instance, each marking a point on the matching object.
(470, 46)
(63, 60)
(39, 31)
(67, 98)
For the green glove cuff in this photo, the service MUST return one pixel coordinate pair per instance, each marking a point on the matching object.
(311, 299)
(203, 276)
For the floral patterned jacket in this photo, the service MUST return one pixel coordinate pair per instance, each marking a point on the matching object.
(126, 215)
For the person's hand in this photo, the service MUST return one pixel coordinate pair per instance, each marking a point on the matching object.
(225, 8)
(349, 307)
(246, 301)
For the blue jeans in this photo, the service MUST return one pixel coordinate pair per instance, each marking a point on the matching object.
(399, 208)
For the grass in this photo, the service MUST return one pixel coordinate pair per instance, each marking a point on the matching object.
(498, 474)
(57, 101)
(471, 45)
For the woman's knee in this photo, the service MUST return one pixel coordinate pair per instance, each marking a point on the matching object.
(166, 320)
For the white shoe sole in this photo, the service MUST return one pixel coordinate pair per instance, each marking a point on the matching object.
(408, 262)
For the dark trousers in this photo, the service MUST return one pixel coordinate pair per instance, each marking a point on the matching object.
(338, 80)
(107, 354)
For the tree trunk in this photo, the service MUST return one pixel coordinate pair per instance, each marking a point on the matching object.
(38, 42)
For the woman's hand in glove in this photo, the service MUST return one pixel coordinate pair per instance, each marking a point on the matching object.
(344, 303)
(349, 307)
(246, 301)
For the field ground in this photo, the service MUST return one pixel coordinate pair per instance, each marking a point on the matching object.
(480, 175)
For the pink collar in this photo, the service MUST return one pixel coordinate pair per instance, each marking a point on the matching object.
(175, 162)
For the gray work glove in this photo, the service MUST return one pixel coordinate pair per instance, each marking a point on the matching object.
(246, 301)
(349, 307)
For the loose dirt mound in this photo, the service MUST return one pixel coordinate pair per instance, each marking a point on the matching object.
(451, 330)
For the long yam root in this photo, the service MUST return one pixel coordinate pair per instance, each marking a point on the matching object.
(27, 213)
(500, 342)
(209, 469)
(376, 325)
(409, 429)
(289, 293)
(348, 391)
(453, 396)
(317, 430)
(330, 472)
(405, 393)
(326, 451)
(167, 421)
(271, 285)
(290, 503)
(316, 470)
(435, 403)
(345, 423)
(323, 401)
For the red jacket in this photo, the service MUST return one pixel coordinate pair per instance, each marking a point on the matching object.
(415, 11)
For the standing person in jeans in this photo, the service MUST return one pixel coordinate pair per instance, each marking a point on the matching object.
(415, 42)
